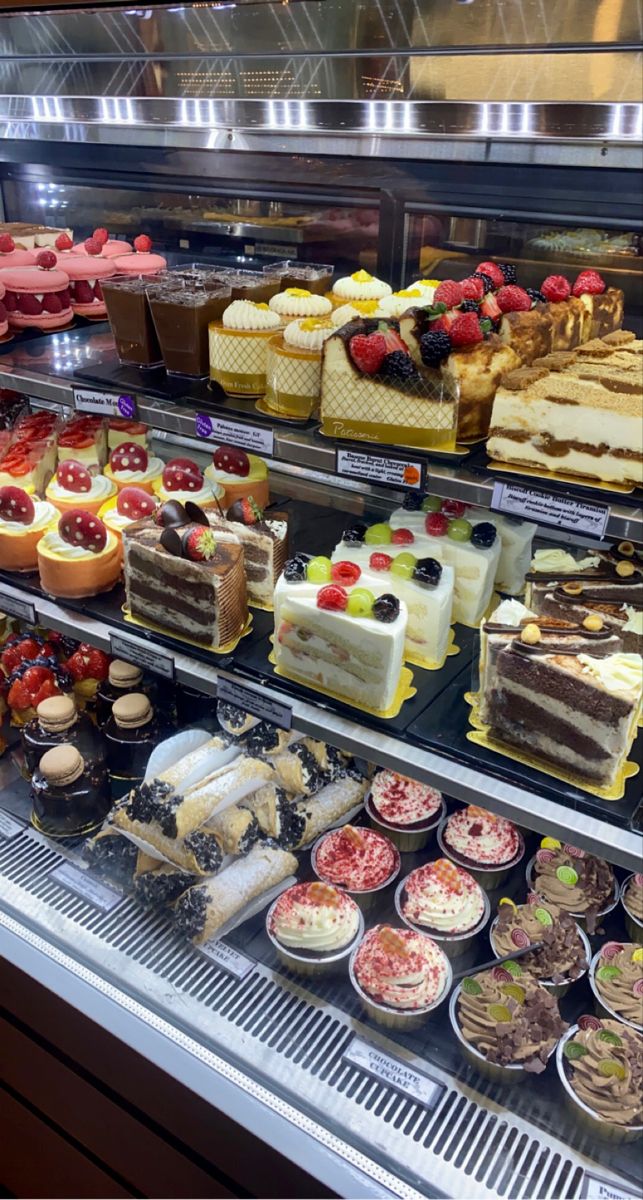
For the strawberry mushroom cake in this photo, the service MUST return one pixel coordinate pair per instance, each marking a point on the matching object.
(37, 297)
(85, 273)
(79, 558)
(130, 504)
(142, 261)
(130, 463)
(23, 521)
(242, 476)
(73, 485)
(183, 480)
(12, 256)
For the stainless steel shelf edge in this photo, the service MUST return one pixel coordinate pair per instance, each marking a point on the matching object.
(621, 846)
(298, 451)
(284, 1128)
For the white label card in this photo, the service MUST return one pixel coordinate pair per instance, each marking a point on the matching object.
(532, 504)
(254, 438)
(24, 609)
(84, 885)
(106, 404)
(9, 826)
(594, 1187)
(392, 472)
(228, 959)
(392, 1071)
(260, 706)
(148, 658)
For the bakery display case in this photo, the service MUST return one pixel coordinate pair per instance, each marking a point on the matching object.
(312, 713)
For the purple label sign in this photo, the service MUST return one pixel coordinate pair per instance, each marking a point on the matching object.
(203, 425)
(127, 407)
(105, 404)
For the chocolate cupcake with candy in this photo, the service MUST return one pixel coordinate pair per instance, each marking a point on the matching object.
(564, 950)
(616, 979)
(600, 1065)
(576, 882)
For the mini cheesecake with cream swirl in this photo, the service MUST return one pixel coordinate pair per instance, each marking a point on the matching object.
(443, 899)
(399, 974)
(293, 371)
(358, 288)
(80, 558)
(239, 347)
(73, 486)
(398, 302)
(130, 465)
(313, 922)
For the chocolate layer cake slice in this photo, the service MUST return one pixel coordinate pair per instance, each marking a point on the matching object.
(265, 548)
(204, 600)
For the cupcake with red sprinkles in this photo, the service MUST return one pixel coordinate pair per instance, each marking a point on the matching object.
(445, 901)
(484, 844)
(314, 927)
(400, 976)
(360, 861)
(404, 809)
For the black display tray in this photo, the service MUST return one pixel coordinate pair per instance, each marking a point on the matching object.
(444, 728)
(481, 464)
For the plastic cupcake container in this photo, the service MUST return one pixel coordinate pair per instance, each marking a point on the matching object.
(313, 963)
(580, 918)
(488, 877)
(600, 1007)
(556, 989)
(406, 838)
(366, 898)
(509, 1074)
(593, 1123)
(453, 944)
(632, 924)
(397, 1018)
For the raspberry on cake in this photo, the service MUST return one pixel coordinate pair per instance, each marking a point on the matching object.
(85, 272)
(37, 297)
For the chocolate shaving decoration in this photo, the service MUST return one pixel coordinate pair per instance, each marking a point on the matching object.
(195, 514)
(173, 513)
(171, 541)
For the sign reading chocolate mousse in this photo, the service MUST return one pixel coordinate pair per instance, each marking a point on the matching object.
(393, 472)
(149, 658)
(106, 404)
(236, 433)
(260, 706)
(84, 885)
(594, 1187)
(532, 504)
(228, 959)
(392, 1071)
(14, 607)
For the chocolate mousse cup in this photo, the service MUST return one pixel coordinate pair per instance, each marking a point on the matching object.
(488, 877)
(131, 321)
(580, 918)
(367, 898)
(498, 1072)
(250, 285)
(397, 1018)
(407, 838)
(592, 1122)
(453, 944)
(632, 924)
(556, 989)
(600, 1007)
(315, 277)
(313, 962)
(181, 319)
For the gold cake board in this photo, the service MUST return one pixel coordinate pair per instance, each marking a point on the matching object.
(262, 407)
(188, 641)
(430, 664)
(458, 450)
(480, 735)
(405, 691)
(625, 489)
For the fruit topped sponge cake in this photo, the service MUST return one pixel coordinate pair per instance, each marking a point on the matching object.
(372, 389)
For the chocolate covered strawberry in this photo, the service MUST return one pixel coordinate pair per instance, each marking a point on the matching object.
(245, 511)
(182, 475)
(80, 528)
(198, 543)
(134, 503)
(129, 456)
(73, 476)
(232, 460)
(16, 505)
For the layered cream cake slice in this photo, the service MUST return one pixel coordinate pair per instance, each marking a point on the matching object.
(264, 540)
(347, 642)
(422, 583)
(560, 423)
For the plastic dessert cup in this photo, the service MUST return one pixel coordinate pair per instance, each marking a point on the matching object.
(314, 964)
(453, 944)
(488, 877)
(556, 989)
(366, 898)
(509, 1074)
(250, 285)
(315, 277)
(397, 1018)
(407, 838)
(585, 1116)
(580, 918)
(130, 317)
(600, 1007)
(181, 319)
(632, 924)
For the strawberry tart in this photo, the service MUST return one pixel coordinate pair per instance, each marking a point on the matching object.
(130, 464)
(109, 247)
(183, 480)
(83, 438)
(33, 681)
(129, 505)
(30, 458)
(85, 273)
(73, 485)
(79, 558)
(23, 521)
(242, 476)
(10, 256)
(37, 297)
(142, 261)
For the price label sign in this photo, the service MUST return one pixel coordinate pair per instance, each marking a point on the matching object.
(106, 404)
(379, 468)
(228, 959)
(595, 1187)
(264, 707)
(235, 433)
(392, 1071)
(85, 886)
(9, 826)
(148, 658)
(15, 607)
(532, 504)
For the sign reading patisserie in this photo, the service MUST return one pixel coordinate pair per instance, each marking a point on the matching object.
(24, 609)
(393, 472)
(148, 658)
(106, 404)
(397, 1074)
(235, 433)
(84, 885)
(264, 707)
(566, 512)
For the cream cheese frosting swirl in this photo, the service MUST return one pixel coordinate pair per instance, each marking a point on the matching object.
(481, 837)
(298, 302)
(101, 488)
(604, 1068)
(314, 917)
(153, 469)
(356, 859)
(400, 968)
(402, 801)
(618, 979)
(309, 333)
(443, 898)
(633, 897)
(562, 955)
(509, 1019)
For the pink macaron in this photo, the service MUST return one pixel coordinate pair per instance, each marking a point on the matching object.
(4, 321)
(141, 262)
(110, 247)
(37, 297)
(10, 257)
(85, 272)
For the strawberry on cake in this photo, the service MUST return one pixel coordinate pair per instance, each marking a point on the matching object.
(37, 297)
(23, 521)
(130, 464)
(142, 261)
(79, 558)
(85, 273)
(10, 256)
(183, 480)
(109, 247)
(83, 439)
(73, 485)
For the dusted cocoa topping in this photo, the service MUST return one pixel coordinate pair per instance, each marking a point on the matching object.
(618, 980)
(562, 956)
(603, 1064)
(509, 1018)
(574, 881)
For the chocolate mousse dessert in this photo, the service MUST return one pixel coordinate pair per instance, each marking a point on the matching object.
(617, 981)
(181, 318)
(131, 321)
(70, 796)
(602, 1064)
(131, 733)
(508, 1018)
(123, 678)
(315, 277)
(57, 720)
